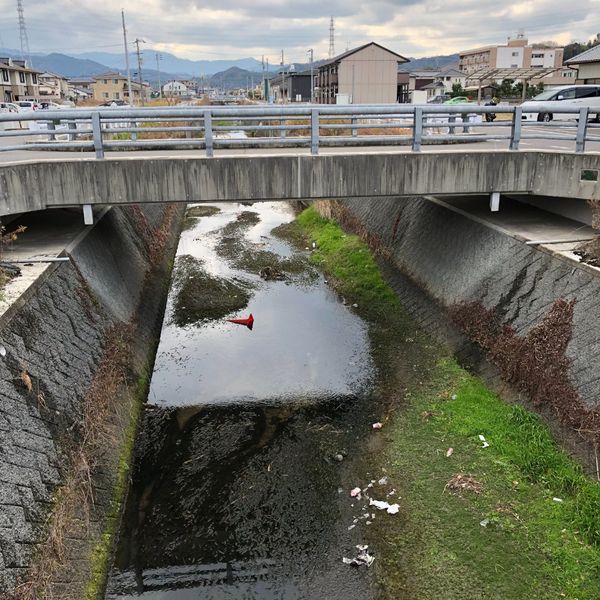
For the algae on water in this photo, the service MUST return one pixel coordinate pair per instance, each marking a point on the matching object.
(201, 297)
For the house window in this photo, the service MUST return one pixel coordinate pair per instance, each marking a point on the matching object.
(116, 95)
(105, 81)
(514, 66)
(21, 77)
(5, 75)
(115, 81)
(537, 56)
(515, 54)
(34, 79)
(105, 94)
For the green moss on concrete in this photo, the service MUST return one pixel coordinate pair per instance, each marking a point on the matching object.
(100, 556)
(530, 545)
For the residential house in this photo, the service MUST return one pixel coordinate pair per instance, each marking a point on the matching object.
(517, 53)
(587, 64)
(436, 81)
(291, 86)
(364, 75)
(18, 81)
(113, 86)
(174, 89)
(53, 87)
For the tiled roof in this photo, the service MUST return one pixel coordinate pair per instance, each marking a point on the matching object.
(591, 55)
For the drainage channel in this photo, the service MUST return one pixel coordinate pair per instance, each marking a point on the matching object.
(251, 438)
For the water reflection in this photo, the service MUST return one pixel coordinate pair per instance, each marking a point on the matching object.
(236, 492)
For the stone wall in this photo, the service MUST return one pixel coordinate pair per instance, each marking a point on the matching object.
(54, 338)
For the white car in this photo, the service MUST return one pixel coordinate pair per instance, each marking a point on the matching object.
(25, 105)
(576, 96)
(8, 107)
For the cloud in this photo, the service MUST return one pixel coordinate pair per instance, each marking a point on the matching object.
(235, 28)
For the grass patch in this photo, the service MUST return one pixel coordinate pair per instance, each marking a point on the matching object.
(100, 556)
(507, 539)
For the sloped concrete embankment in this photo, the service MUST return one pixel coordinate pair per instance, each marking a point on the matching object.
(504, 292)
(66, 404)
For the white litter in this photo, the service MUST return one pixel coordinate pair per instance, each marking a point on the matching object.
(484, 523)
(377, 425)
(383, 481)
(2, 350)
(454, 396)
(351, 527)
(355, 492)
(485, 444)
(449, 452)
(557, 499)
(392, 509)
(363, 558)
(355, 305)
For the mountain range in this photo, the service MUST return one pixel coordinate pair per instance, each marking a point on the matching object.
(220, 73)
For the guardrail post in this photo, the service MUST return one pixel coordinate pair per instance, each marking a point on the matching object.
(354, 130)
(51, 127)
(282, 130)
(97, 135)
(451, 129)
(71, 125)
(208, 134)
(133, 124)
(515, 129)
(418, 129)
(314, 131)
(582, 129)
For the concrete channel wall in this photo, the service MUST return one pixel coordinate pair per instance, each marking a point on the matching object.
(56, 334)
(451, 259)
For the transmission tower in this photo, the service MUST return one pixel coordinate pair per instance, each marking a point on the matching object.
(25, 54)
(331, 39)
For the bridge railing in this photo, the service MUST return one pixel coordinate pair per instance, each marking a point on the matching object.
(290, 126)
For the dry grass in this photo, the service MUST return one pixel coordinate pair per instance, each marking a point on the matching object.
(75, 495)
(463, 483)
(536, 363)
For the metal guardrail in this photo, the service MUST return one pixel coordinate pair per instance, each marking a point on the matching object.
(312, 126)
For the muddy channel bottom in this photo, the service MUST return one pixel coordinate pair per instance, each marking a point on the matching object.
(251, 439)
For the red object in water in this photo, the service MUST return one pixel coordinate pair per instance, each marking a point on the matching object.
(249, 322)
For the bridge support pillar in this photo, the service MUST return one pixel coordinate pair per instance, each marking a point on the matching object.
(88, 215)
(495, 201)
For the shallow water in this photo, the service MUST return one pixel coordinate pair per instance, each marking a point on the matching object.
(237, 492)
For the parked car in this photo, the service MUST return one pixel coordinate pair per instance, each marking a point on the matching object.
(576, 96)
(25, 105)
(458, 100)
(8, 107)
(47, 105)
(114, 103)
(439, 99)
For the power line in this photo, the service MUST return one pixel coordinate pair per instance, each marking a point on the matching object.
(25, 54)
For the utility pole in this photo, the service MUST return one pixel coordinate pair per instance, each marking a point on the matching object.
(137, 43)
(312, 76)
(158, 57)
(126, 58)
(283, 90)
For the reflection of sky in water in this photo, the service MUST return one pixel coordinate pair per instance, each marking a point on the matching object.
(304, 342)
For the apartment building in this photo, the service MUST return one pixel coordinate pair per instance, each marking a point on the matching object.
(174, 89)
(18, 81)
(364, 75)
(515, 54)
(291, 86)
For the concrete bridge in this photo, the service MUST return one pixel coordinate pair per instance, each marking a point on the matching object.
(275, 153)
(52, 183)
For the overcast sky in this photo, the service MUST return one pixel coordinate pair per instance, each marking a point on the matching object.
(241, 28)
